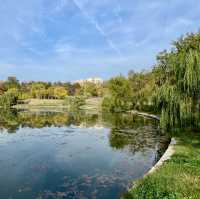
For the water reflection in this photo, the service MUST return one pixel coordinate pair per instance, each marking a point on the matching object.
(12, 119)
(74, 155)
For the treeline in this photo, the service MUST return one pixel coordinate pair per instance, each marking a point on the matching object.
(13, 91)
(171, 88)
(130, 93)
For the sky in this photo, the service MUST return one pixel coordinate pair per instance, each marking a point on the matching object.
(67, 40)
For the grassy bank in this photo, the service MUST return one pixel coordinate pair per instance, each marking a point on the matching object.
(90, 104)
(41, 103)
(178, 178)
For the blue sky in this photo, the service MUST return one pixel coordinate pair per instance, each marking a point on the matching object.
(75, 39)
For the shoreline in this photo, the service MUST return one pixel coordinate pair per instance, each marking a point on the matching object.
(175, 175)
(170, 150)
(145, 114)
(166, 156)
(90, 104)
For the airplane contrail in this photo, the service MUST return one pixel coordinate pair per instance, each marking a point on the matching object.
(117, 12)
(98, 27)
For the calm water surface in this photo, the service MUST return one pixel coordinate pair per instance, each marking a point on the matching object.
(48, 155)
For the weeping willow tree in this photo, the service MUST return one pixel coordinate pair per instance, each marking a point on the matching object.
(178, 84)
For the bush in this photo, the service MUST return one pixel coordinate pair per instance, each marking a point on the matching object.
(75, 102)
(8, 99)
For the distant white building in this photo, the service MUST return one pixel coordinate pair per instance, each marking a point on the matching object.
(94, 80)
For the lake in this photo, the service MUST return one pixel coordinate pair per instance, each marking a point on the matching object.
(57, 155)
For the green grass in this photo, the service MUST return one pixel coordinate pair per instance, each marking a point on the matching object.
(178, 178)
(34, 103)
(91, 104)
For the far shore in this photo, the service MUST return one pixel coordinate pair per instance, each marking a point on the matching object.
(40, 103)
(91, 104)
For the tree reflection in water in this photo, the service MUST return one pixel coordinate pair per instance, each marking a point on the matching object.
(127, 131)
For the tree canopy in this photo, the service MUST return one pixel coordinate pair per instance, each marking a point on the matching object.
(12, 88)
(178, 94)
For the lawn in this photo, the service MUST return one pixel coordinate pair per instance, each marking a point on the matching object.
(178, 178)
(91, 104)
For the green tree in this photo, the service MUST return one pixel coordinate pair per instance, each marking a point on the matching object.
(89, 90)
(9, 98)
(178, 89)
(142, 85)
(60, 92)
(120, 95)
